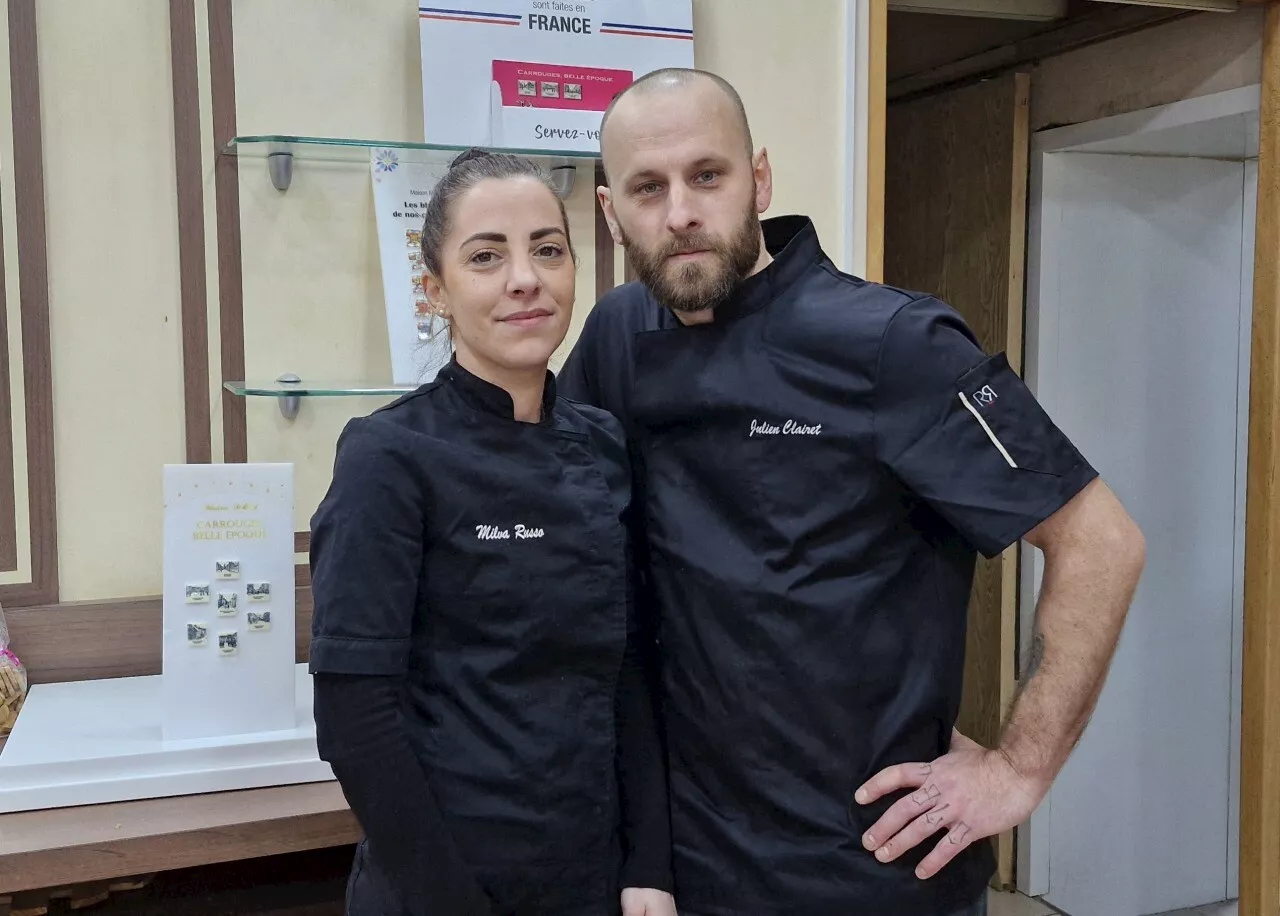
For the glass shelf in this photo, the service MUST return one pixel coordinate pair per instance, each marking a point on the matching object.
(289, 393)
(347, 149)
(310, 389)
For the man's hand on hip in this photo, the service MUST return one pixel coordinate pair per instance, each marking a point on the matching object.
(645, 901)
(971, 793)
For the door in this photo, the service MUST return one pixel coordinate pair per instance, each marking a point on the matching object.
(955, 226)
(1140, 340)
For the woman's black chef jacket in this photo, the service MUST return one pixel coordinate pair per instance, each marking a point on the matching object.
(485, 562)
(818, 468)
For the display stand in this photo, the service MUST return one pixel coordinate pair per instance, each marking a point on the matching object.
(90, 742)
(230, 710)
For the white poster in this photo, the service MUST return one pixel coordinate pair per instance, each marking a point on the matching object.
(401, 189)
(538, 74)
(228, 644)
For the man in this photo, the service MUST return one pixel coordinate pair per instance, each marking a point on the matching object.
(818, 460)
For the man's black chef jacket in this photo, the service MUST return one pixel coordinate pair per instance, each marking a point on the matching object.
(817, 467)
(485, 562)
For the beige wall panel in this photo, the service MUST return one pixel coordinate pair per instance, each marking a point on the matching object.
(788, 69)
(107, 114)
(313, 298)
(1196, 56)
(9, 219)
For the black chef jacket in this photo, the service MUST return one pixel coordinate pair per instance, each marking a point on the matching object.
(818, 468)
(486, 561)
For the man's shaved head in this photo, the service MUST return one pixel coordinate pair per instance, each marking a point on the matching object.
(684, 188)
(680, 80)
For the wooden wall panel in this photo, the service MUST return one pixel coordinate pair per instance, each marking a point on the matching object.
(222, 78)
(191, 243)
(33, 288)
(955, 226)
(603, 242)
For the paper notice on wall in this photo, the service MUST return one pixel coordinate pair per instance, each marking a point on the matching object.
(538, 74)
(402, 188)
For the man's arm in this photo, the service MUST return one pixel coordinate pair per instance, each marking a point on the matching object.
(1094, 554)
(1093, 557)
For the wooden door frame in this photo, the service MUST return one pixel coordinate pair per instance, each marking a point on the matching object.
(1260, 692)
(877, 101)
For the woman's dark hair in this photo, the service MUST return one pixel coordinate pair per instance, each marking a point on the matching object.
(465, 172)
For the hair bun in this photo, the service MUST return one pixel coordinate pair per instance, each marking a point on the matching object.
(468, 156)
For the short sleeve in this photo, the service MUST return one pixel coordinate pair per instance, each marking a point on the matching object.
(963, 432)
(366, 555)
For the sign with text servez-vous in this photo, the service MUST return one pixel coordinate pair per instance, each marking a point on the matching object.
(538, 74)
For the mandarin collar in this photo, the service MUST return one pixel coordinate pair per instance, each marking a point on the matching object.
(492, 398)
(793, 242)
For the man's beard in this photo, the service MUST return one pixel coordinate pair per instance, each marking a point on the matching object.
(700, 285)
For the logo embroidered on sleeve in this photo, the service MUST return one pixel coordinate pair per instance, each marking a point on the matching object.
(985, 395)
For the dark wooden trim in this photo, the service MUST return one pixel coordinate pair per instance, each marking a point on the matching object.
(1260, 694)
(33, 290)
(86, 640)
(222, 84)
(66, 846)
(302, 575)
(301, 541)
(190, 186)
(604, 240)
(1105, 22)
(8, 498)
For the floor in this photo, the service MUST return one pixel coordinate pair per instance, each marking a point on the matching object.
(1018, 905)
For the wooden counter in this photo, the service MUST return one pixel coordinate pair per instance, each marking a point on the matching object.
(66, 846)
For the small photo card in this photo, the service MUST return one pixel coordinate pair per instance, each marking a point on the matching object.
(228, 642)
(197, 635)
(259, 620)
(259, 591)
(198, 593)
(227, 604)
(227, 569)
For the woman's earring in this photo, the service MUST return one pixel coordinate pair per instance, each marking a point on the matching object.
(432, 330)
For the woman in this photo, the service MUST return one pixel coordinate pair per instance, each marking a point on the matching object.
(479, 685)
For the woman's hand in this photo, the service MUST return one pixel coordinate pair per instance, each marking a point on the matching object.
(645, 901)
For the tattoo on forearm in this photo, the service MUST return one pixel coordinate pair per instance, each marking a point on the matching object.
(926, 795)
(1034, 657)
(958, 833)
(934, 817)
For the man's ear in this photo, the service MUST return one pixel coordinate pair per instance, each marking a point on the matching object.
(764, 179)
(605, 196)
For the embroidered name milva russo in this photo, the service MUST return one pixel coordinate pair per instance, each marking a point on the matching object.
(790, 428)
(494, 533)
